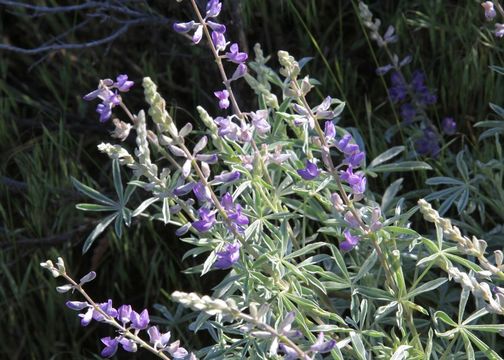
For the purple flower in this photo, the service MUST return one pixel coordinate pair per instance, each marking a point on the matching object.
(123, 84)
(350, 242)
(140, 321)
(260, 121)
(382, 70)
(290, 353)
(329, 130)
(449, 126)
(220, 28)
(213, 8)
(499, 30)
(183, 189)
(322, 346)
(357, 181)
(184, 27)
(354, 159)
(240, 71)
(345, 146)
(428, 144)
(219, 41)
(235, 55)
(128, 344)
(408, 113)
(351, 220)
(206, 221)
(124, 314)
(110, 346)
(234, 214)
(422, 93)
(489, 10)
(310, 172)
(228, 257)
(201, 192)
(223, 97)
(157, 339)
(227, 127)
(228, 177)
(108, 309)
(399, 90)
(77, 305)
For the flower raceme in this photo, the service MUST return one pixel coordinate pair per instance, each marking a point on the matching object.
(109, 98)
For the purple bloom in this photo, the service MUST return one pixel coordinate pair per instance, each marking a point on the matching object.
(408, 113)
(207, 220)
(345, 146)
(157, 339)
(355, 159)
(499, 30)
(183, 27)
(310, 172)
(108, 309)
(227, 127)
(235, 55)
(290, 353)
(260, 121)
(350, 242)
(110, 346)
(77, 305)
(428, 144)
(322, 346)
(223, 97)
(228, 257)
(357, 181)
(238, 220)
(422, 93)
(219, 41)
(213, 8)
(351, 220)
(220, 28)
(490, 12)
(449, 126)
(399, 90)
(128, 344)
(124, 314)
(382, 70)
(183, 189)
(123, 84)
(198, 34)
(140, 321)
(201, 192)
(329, 130)
(228, 177)
(240, 71)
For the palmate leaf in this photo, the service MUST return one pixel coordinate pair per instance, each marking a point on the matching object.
(120, 213)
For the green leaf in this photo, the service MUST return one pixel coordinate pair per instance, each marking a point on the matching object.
(166, 211)
(366, 266)
(94, 207)
(144, 205)
(116, 175)
(498, 110)
(308, 248)
(428, 286)
(92, 193)
(102, 225)
(403, 166)
(374, 293)
(445, 318)
(358, 345)
(401, 352)
(483, 347)
(387, 155)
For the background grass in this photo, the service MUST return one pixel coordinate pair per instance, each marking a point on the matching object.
(48, 134)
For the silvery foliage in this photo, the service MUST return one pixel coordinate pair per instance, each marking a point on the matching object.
(390, 297)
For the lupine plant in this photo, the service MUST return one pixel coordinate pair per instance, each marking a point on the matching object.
(278, 200)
